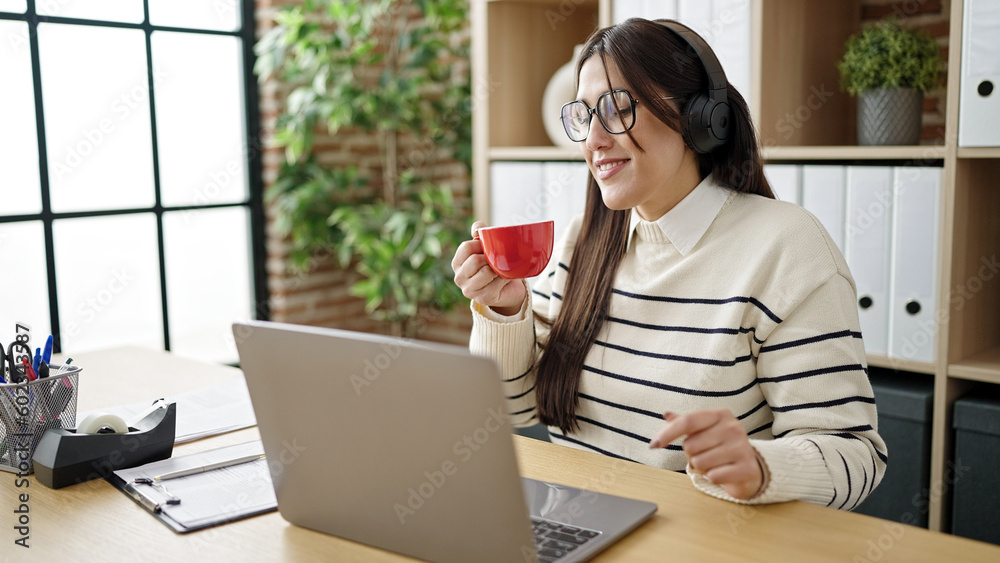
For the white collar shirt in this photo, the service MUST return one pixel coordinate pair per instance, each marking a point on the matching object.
(687, 222)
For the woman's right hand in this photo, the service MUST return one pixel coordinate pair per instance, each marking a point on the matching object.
(478, 281)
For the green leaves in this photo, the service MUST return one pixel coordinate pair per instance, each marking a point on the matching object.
(885, 55)
(331, 50)
(402, 251)
(371, 65)
(302, 201)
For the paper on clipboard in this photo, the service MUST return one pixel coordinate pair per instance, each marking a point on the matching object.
(212, 497)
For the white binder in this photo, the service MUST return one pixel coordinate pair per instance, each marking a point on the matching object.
(655, 9)
(824, 194)
(913, 303)
(979, 98)
(564, 189)
(786, 181)
(869, 209)
(622, 10)
(696, 14)
(515, 193)
(729, 35)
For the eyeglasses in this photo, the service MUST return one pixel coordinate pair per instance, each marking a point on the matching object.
(615, 110)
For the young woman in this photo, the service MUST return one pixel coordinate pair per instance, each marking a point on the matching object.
(687, 319)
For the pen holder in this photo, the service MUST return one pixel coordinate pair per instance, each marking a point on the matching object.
(28, 409)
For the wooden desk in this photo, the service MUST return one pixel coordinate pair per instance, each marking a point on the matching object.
(93, 521)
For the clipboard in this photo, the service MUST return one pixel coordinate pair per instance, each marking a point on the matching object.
(205, 499)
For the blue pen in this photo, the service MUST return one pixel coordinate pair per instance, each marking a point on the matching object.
(47, 351)
(37, 359)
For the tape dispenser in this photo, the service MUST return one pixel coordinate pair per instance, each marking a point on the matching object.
(103, 443)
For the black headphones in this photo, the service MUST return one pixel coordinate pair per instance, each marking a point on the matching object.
(706, 118)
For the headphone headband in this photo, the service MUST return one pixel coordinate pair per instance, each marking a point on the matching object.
(707, 117)
(717, 83)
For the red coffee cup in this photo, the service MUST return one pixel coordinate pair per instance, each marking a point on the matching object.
(518, 251)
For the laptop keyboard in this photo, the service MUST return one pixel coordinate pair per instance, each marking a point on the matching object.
(555, 541)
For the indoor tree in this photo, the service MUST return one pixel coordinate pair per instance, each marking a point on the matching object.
(392, 68)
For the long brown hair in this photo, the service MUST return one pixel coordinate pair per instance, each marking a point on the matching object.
(653, 60)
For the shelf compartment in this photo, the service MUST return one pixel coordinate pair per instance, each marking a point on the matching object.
(974, 295)
(853, 152)
(527, 43)
(800, 102)
(984, 366)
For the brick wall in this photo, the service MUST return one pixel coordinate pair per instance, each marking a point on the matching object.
(931, 16)
(320, 296)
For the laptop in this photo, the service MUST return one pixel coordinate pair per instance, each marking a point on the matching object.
(404, 445)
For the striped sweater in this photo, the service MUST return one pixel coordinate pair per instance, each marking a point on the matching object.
(750, 308)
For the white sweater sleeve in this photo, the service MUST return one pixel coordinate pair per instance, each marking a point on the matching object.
(510, 341)
(813, 373)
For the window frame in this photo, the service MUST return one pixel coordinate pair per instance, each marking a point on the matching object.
(253, 203)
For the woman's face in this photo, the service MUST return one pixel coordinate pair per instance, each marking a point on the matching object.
(652, 181)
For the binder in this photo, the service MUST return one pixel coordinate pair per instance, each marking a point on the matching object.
(515, 190)
(654, 9)
(648, 9)
(625, 9)
(979, 101)
(729, 36)
(867, 241)
(786, 181)
(564, 189)
(913, 303)
(824, 194)
(696, 14)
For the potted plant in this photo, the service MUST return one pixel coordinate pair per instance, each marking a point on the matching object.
(388, 68)
(890, 68)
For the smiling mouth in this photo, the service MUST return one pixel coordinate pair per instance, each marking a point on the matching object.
(609, 165)
(608, 169)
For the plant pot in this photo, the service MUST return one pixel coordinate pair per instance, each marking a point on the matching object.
(890, 116)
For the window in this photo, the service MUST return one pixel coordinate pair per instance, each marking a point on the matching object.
(130, 191)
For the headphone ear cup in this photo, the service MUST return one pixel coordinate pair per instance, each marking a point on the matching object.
(707, 124)
(697, 132)
(721, 119)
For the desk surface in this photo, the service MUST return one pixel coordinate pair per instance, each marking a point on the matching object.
(94, 518)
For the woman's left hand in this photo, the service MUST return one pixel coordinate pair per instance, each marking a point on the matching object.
(716, 446)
